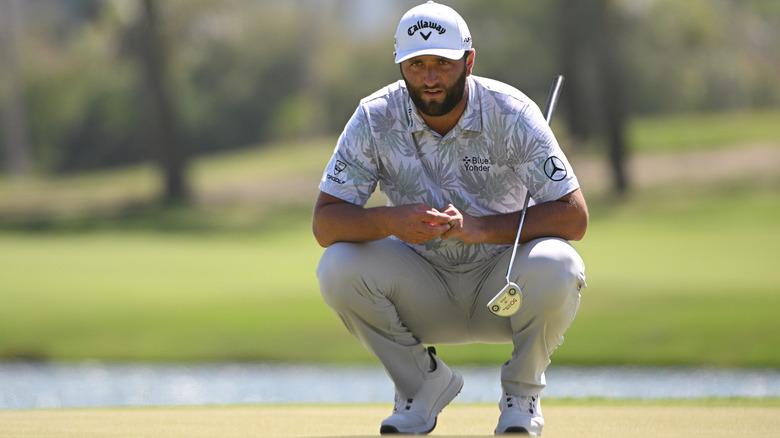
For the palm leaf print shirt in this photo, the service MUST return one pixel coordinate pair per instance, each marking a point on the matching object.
(500, 148)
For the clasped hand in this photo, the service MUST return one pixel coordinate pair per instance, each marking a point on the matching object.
(418, 223)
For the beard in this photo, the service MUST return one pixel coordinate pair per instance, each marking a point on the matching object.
(452, 96)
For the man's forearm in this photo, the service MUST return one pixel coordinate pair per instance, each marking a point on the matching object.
(566, 218)
(344, 222)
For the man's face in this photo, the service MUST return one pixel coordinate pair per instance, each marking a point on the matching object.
(436, 85)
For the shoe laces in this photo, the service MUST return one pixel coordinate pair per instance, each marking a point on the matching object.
(402, 404)
(525, 403)
(405, 404)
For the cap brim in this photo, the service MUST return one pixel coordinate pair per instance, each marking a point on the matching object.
(445, 53)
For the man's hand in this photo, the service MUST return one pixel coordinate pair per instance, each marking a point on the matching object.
(417, 223)
(464, 227)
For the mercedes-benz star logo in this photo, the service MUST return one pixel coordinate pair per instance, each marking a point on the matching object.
(555, 169)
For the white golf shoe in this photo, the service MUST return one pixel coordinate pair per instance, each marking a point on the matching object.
(417, 415)
(520, 414)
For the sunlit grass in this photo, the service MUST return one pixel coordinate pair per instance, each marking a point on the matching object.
(683, 132)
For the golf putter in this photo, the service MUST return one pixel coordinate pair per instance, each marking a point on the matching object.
(509, 299)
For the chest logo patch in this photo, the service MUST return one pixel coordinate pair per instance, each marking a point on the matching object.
(476, 164)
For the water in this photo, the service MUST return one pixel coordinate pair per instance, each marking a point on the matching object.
(96, 384)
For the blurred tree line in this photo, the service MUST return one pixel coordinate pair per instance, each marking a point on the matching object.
(88, 84)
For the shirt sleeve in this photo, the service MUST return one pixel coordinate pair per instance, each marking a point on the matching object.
(544, 169)
(351, 173)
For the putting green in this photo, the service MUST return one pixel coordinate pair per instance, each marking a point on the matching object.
(629, 419)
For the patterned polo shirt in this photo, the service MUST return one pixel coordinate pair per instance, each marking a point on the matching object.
(500, 148)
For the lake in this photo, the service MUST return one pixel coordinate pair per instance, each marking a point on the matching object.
(35, 385)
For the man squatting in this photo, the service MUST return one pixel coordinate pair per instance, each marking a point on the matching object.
(455, 155)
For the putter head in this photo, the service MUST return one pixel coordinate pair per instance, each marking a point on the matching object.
(507, 302)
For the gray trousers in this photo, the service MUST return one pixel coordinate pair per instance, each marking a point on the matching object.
(393, 301)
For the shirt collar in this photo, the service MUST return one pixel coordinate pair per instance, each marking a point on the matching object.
(471, 120)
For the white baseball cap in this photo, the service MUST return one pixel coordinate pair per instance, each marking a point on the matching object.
(431, 29)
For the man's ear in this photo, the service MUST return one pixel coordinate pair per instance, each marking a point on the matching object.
(470, 61)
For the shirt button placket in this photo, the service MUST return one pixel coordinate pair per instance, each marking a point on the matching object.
(444, 146)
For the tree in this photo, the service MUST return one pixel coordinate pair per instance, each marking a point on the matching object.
(162, 116)
(592, 61)
(613, 91)
(16, 139)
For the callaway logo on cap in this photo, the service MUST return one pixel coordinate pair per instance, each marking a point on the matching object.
(431, 29)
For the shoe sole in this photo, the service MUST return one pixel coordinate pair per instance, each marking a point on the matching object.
(515, 430)
(449, 394)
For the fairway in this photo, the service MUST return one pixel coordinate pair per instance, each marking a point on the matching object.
(600, 419)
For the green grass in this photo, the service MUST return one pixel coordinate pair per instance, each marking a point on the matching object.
(674, 133)
(147, 296)
(688, 280)
(677, 275)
